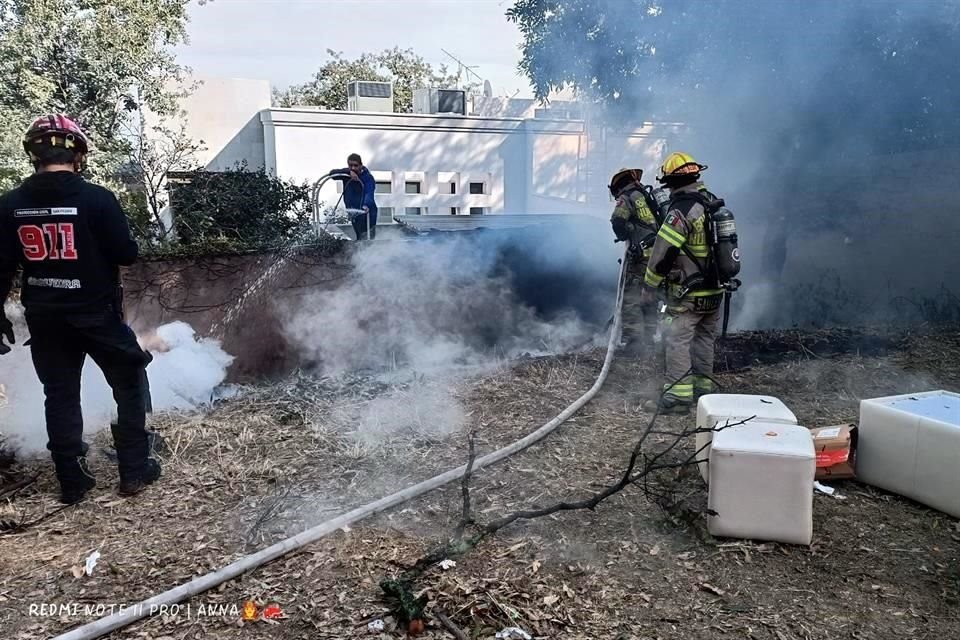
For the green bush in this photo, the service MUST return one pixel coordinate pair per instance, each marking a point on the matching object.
(239, 209)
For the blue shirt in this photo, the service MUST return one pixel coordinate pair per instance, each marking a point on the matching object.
(358, 194)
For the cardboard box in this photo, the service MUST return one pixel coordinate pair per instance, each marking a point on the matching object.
(836, 451)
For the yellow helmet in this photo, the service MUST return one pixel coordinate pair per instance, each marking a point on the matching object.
(679, 164)
(622, 178)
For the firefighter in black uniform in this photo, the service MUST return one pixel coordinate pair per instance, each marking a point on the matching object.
(70, 237)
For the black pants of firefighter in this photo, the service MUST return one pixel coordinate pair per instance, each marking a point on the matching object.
(59, 347)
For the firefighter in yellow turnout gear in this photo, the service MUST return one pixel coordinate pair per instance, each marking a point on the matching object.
(676, 269)
(634, 221)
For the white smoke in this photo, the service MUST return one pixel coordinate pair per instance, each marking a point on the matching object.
(183, 375)
(426, 410)
(442, 309)
(431, 306)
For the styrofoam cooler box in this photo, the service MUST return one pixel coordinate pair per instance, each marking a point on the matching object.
(718, 409)
(910, 445)
(761, 483)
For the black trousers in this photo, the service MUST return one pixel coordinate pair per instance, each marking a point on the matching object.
(360, 227)
(59, 346)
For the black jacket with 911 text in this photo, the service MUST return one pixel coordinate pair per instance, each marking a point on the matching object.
(70, 237)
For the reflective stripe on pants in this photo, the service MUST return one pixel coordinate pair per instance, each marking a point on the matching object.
(690, 339)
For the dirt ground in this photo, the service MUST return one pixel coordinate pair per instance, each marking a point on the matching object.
(275, 459)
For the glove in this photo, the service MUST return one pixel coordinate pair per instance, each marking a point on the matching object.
(6, 331)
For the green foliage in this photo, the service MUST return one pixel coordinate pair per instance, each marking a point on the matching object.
(238, 209)
(141, 219)
(96, 60)
(599, 48)
(328, 89)
(805, 76)
(153, 152)
(13, 160)
(108, 63)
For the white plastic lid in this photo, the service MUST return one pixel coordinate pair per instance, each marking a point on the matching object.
(769, 438)
(935, 405)
(741, 406)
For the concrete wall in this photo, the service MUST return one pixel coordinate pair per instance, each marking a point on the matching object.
(304, 145)
(525, 165)
(223, 113)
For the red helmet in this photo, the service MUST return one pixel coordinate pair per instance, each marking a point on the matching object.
(56, 130)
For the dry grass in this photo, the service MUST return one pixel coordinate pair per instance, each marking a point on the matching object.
(276, 459)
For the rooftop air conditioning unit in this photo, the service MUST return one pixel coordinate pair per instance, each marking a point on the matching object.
(370, 96)
(440, 101)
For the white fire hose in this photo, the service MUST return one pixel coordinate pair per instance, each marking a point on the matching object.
(203, 583)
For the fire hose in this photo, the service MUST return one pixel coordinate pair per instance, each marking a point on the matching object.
(200, 584)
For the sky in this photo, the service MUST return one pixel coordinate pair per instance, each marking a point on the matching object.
(285, 41)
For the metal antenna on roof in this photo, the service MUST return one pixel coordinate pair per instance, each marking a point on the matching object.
(462, 66)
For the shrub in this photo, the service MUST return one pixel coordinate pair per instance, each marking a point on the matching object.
(239, 208)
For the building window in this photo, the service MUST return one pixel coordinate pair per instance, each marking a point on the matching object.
(384, 187)
(453, 188)
(412, 211)
(476, 188)
(384, 213)
(476, 211)
(412, 187)
(454, 211)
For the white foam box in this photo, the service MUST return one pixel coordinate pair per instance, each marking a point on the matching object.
(761, 483)
(719, 409)
(910, 445)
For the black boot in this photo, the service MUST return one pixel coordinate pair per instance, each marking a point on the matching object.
(138, 468)
(133, 483)
(74, 476)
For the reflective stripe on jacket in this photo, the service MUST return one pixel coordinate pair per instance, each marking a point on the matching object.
(684, 227)
(634, 215)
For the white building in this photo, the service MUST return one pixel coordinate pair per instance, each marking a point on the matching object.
(428, 164)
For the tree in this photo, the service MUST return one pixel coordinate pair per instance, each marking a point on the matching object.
(328, 89)
(92, 59)
(13, 160)
(809, 79)
(153, 152)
